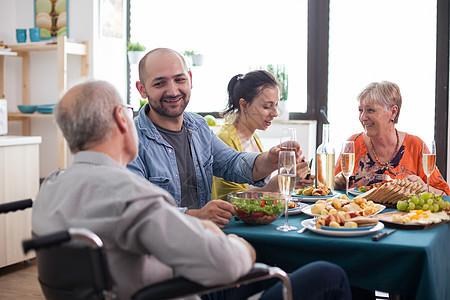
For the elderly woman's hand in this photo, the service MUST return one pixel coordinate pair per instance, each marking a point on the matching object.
(415, 178)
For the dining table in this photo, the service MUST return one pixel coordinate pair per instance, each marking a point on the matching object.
(406, 262)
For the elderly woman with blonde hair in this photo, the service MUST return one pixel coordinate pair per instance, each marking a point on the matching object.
(381, 148)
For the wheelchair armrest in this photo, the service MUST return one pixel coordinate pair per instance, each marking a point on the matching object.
(16, 205)
(60, 237)
(180, 286)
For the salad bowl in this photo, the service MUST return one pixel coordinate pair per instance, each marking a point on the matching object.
(257, 208)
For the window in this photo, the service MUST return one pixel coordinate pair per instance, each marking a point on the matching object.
(376, 41)
(234, 36)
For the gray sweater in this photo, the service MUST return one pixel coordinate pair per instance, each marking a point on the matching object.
(146, 238)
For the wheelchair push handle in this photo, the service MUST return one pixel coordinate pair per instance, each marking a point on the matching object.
(16, 205)
(49, 240)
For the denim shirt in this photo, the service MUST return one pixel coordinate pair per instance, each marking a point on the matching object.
(156, 160)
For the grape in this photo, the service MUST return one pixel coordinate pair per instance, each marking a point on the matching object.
(421, 201)
(426, 195)
(436, 207)
(401, 205)
(414, 200)
(426, 201)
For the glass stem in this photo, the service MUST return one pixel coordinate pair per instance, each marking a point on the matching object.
(286, 211)
(428, 183)
(346, 185)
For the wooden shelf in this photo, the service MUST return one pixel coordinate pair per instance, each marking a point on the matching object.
(18, 116)
(63, 48)
(70, 47)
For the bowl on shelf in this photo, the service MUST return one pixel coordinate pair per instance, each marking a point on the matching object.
(45, 109)
(27, 109)
(257, 208)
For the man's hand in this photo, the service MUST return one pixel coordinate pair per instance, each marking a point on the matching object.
(213, 227)
(218, 211)
(250, 248)
(339, 182)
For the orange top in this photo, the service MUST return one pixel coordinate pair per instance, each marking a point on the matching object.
(407, 161)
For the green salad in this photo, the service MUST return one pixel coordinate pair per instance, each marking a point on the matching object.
(258, 211)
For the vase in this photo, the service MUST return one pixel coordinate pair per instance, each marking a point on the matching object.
(197, 59)
(135, 56)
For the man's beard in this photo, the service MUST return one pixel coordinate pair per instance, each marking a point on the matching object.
(161, 110)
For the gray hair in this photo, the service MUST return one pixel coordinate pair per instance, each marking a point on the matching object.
(385, 93)
(87, 119)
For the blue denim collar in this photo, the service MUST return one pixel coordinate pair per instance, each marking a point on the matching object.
(147, 127)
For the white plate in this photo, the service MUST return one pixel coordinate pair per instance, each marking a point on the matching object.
(310, 224)
(313, 199)
(307, 211)
(5, 49)
(297, 210)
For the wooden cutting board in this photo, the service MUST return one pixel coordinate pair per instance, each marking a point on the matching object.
(386, 218)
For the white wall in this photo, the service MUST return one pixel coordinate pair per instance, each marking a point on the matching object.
(109, 64)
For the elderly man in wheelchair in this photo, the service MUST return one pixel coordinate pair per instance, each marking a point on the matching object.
(147, 242)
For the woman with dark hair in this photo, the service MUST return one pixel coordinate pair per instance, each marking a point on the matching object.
(252, 104)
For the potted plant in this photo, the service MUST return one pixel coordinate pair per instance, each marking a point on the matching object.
(135, 52)
(195, 58)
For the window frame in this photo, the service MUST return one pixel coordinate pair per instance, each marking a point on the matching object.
(317, 73)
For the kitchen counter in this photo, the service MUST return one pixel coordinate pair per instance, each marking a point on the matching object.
(19, 180)
(16, 140)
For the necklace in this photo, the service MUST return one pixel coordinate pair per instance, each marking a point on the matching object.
(395, 153)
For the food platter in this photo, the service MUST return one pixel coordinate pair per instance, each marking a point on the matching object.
(354, 192)
(313, 199)
(310, 224)
(386, 218)
(307, 211)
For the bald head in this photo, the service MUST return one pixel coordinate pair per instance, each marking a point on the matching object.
(157, 54)
(84, 114)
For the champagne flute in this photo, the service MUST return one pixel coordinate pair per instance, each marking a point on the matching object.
(286, 183)
(347, 161)
(428, 160)
(288, 139)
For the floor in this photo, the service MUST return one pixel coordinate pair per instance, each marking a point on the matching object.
(19, 281)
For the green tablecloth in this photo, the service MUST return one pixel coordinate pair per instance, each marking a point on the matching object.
(404, 263)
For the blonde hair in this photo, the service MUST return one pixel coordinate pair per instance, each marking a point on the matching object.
(385, 93)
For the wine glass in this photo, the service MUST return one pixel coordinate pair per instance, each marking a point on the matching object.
(286, 183)
(347, 161)
(288, 139)
(428, 160)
